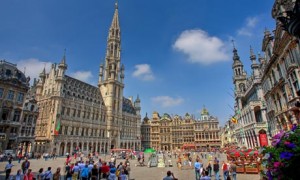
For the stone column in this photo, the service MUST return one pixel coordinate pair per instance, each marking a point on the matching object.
(71, 148)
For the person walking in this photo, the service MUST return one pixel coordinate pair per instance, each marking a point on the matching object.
(25, 165)
(48, 174)
(85, 173)
(29, 175)
(216, 169)
(8, 168)
(209, 168)
(39, 176)
(19, 175)
(56, 175)
(225, 170)
(197, 166)
(232, 170)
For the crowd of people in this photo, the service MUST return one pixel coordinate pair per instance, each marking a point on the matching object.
(76, 168)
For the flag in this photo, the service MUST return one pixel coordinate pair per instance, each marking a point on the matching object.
(56, 131)
(234, 120)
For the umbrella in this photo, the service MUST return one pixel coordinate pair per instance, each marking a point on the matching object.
(149, 150)
(237, 154)
(253, 152)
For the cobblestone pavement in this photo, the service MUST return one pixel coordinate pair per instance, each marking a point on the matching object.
(137, 172)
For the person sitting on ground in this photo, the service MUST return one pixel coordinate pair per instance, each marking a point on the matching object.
(205, 177)
(170, 176)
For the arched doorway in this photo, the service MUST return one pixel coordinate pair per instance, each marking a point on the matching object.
(62, 149)
(68, 148)
(113, 144)
(263, 138)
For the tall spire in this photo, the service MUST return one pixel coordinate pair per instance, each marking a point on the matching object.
(115, 22)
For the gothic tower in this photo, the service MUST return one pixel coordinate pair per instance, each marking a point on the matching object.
(111, 76)
(239, 78)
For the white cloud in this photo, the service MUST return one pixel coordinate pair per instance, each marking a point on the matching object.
(167, 101)
(33, 67)
(84, 76)
(143, 72)
(247, 30)
(200, 47)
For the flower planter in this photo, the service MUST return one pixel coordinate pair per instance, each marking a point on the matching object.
(240, 168)
(251, 170)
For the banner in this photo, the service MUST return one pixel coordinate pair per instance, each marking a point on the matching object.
(263, 139)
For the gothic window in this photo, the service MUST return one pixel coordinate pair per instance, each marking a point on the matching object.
(20, 97)
(74, 113)
(10, 95)
(1, 92)
(5, 114)
(68, 111)
(31, 107)
(25, 118)
(30, 117)
(17, 114)
(62, 111)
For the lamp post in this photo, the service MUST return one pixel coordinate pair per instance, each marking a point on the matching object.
(287, 12)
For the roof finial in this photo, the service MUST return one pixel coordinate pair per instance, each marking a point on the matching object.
(233, 44)
(251, 51)
(116, 4)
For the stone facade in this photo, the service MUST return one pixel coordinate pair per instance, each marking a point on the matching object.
(172, 133)
(281, 79)
(250, 108)
(13, 88)
(76, 115)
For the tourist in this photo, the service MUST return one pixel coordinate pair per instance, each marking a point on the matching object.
(75, 171)
(8, 168)
(25, 165)
(99, 164)
(95, 172)
(197, 166)
(208, 168)
(56, 175)
(29, 175)
(123, 175)
(48, 174)
(19, 158)
(69, 175)
(232, 170)
(216, 169)
(112, 174)
(225, 170)
(170, 176)
(19, 175)
(104, 170)
(85, 173)
(39, 176)
(205, 177)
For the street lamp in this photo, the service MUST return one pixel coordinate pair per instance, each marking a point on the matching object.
(287, 12)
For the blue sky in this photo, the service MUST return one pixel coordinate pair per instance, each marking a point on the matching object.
(177, 54)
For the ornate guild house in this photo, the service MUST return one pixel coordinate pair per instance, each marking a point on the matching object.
(174, 133)
(76, 115)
